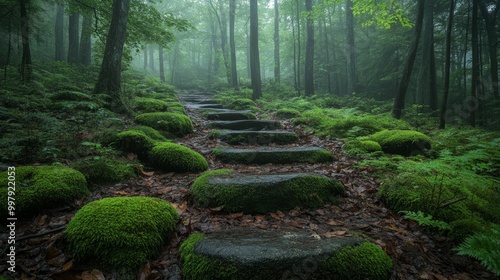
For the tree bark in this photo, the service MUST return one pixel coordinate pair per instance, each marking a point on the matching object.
(26, 67)
(399, 102)
(232, 44)
(73, 40)
(110, 74)
(426, 88)
(277, 63)
(298, 46)
(152, 58)
(85, 40)
(161, 60)
(145, 58)
(309, 63)
(473, 103)
(254, 50)
(491, 31)
(351, 58)
(59, 34)
(442, 115)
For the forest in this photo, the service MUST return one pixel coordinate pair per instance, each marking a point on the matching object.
(249, 139)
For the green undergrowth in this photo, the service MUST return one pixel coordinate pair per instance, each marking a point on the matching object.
(170, 123)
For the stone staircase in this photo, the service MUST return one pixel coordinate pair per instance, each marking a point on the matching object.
(269, 254)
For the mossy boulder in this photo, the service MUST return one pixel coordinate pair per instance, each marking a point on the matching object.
(69, 95)
(273, 155)
(286, 113)
(149, 105)
(261, 137)
(42, 187)
(264, 193)
(173, 123)
(402, 142)
(134, 141)
(271, 255)
(150, 132)
(361, 147)
(120, 233)
(103, 170)
(174, 157)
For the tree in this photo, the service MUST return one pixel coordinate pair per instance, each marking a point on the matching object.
(232, 44)
(350, 50)
(277, 63)
(427, 73)
(442, 115)
(73, 41)
(254, 50)
(59, 34)
(161, 61)
(309, 63)
(85, 40)
(399, 102)
(489, 13)
(26, 67)
(473, 101)
(110, 74)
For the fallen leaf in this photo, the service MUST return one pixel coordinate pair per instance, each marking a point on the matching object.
(260, 218)
(217, 209)
(235, 215)
(67, 266)
(333, 223)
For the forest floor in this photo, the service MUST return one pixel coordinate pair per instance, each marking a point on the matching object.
(416, 254)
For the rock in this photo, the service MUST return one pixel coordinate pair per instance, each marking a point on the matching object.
(205, 106)
(177, 158)
(274, 155)
(262, 137)
(246, 125)
(402, 142)
(173, 123)
(259, 254)
(230, 116)
(264, 193)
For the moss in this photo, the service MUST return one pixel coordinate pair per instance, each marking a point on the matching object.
(255, 137)
(120, 232)
(174, 157)
(402, 142)
(134, 141)
(357, 147)
(68, 95)
(461, 229)
(149, 105)
(198, 267)
(258, 157)
(173, 123)
(42, 187)
(287, 113)
(103, 170)
(150, 132)
(365, 261)
(308, 191)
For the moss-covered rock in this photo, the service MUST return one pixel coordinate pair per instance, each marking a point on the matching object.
(230, 116)
(150, 132)
(262, 137)
(174, 157)
(245, 125)
(69, 95)
(402, 142)
(264, 193)
(273, 155)
(134, 141)
(461, 229)
(149, 105)
(104, 170)
(173, 123)
(363, 147)
(286, 113)
(120, 233)
(42, 187)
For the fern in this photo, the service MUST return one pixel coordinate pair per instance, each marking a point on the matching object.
(485, 247)
(426, 220)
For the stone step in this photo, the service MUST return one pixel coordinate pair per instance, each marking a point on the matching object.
(264, 193)
(250, 254)
(262, 137)
(230, 116)
(204, 106)
(273, 155)
(245, 125)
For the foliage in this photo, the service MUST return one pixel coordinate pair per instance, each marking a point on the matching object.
(120, 232)
(286, 113)
(134, 141)
(361, 147)
(149, 105)
(485, 247)
(173, 123)
(104, 170)
(461, 229)
(402, 142)
(426, 220)
(174, 157)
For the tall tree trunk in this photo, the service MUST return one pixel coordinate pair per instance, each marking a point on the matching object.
(449, 27)
(426, 90)
(215, 45)
(491, 29)
(327, 54)
(309, 63)
(59, 34)
(152, 58)
(277, 63)
(473, 102)
(223, 40)
(295, 62)
(85, 40)
(351, 58)
(232, 14)
(298, 46)
(26, 67)
(254, 50)
(334, 52)
(145, 57)
(73, 42)
(399, 102)
(161, 60)
(173, 65)
(109, 80)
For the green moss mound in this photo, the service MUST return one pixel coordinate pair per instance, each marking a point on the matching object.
(287, 113)
(258, 196)
(365, 261)
(42, 187)
(149, 105)
(172, 123)
(134, 141)
(150, 132)
(464, 228)
(174, 157)
(120, 232)
(357, 147)
(104, 170)
(402, 142)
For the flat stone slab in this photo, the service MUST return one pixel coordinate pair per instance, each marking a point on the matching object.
(230, 116)
(273, 155)
(262, 137)
(246, 125)
(264, 193)
(268, 254)
(204, 106)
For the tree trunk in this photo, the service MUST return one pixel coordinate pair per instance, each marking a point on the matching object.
(449, 26)
(490, 21)
(309, 63)
(298, 46)
(151, 58)
(277, 63)
(254, 50)
(161, 60)
(85, 40)
(59, 34)
(73, 44)
(110, 74)
(215, 45)
(145, 58)
(327, 62)
(223, 41)
(426, 90)
(26, 67)
(351, 58)
(232, 14)
(473, 102)
(295, 62)
(399, 102)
